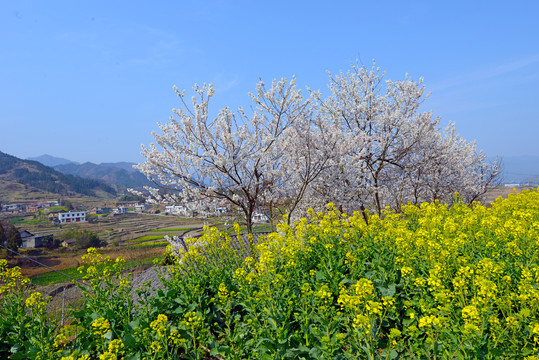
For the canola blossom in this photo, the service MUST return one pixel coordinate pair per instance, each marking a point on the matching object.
(434, 281)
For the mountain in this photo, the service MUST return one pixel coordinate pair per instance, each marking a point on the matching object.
(118, 173)
(33, 175)
(128, 166)
(121, 174)
(51, 161)
(523, 169)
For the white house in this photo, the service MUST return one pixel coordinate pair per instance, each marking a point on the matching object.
(259, 217)
(142, 207)
(72, 216)
(179, 210)
(120, 210)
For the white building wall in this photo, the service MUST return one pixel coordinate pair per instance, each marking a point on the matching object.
(72, 216)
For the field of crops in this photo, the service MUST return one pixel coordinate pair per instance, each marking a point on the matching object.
(434, 282)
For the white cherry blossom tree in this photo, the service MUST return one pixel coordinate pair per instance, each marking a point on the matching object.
(395, 153)
(366, 146)
(247, 160)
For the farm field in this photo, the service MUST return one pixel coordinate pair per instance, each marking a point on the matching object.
(123, 233)
(133, 236)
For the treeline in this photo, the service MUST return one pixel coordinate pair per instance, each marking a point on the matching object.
(35, 174)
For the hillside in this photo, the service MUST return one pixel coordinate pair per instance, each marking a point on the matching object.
(121, 174)
(52, 161)
(524, 169)
(36, 177)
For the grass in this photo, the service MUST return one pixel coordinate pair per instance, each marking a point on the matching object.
(146, 238)
(175, 229)
(149, 244)
(20, 220)
(55, 208)
(56, 278)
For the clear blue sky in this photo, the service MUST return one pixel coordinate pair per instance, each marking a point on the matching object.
(88, 80)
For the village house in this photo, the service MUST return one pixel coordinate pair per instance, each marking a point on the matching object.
(178, 210)
(32, 208)
(72, 216)
(261, 217)
(30, 241)
(129, 204)
(68, 243)
(100, 211)
(13, 208)
(120, 210)
(142, 207)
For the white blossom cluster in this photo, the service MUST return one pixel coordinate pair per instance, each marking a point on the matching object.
(366, 146)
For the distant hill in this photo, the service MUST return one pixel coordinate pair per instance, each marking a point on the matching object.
(52, 161)
(523, 169)
(128, 166)
(34, 175)
(121, 174)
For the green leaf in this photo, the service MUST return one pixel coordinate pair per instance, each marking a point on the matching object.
(129, 341)
(134, 357)
(315, 353)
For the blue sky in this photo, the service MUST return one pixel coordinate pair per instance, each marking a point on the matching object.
(88, 80)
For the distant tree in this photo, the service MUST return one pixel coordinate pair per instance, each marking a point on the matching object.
(67, 204)
(132, 197)
(14, 240)
(50, 242)
(83, 238)
(2, 234)
(3, 237)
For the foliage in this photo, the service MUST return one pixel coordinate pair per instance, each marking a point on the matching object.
(175, 229)
(25, 331)
(149, 244)
(147, 238)
(35, 174)
(3, 236)
(56, 278)
(14, 240)
(435, 281)
(132, 197)
(83, 238)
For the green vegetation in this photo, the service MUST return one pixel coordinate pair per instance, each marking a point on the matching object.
(147, 238)
(98, 215)
(432, 282)
(83, 238)
(175, 229)
(256, 228)
(17, 220)
(149, 244)
(57, 208)
(57, 278)
(13, 240)
(20, 220)
(39, 176)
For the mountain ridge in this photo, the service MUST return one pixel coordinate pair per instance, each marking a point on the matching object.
(34, 175)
